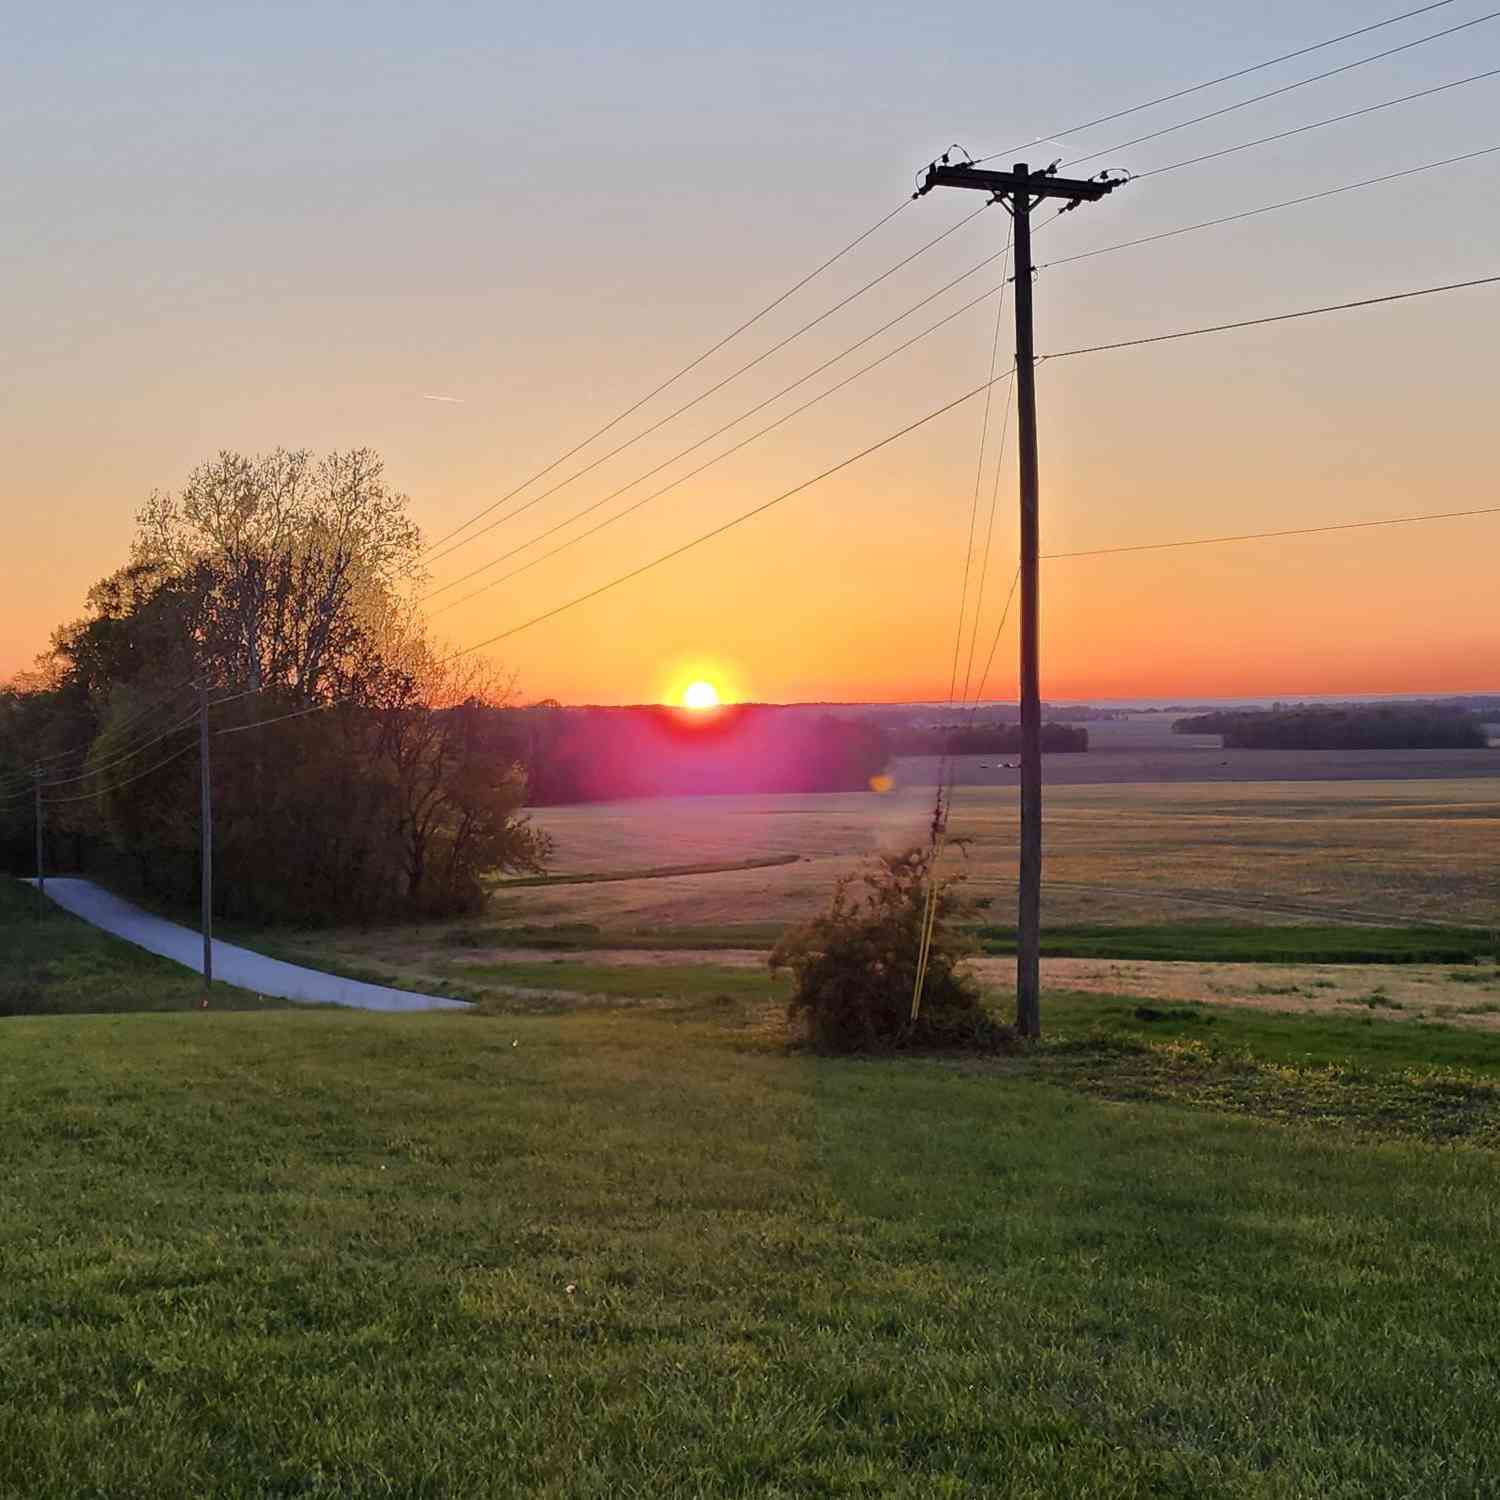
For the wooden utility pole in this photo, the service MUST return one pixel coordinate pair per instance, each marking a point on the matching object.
(206, 837)
(41, 873)
(1020, 190)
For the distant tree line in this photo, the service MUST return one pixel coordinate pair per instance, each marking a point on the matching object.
(600, 754)
(1380, 726)
(985, 739)
(901, 716)
(276, 581)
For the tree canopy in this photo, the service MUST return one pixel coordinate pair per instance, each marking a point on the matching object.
(279, 584)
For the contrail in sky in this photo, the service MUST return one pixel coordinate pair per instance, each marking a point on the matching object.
(457, 400)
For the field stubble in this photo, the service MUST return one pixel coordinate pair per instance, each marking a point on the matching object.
(1360, 851)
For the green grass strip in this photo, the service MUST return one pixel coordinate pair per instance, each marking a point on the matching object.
(1225, 942)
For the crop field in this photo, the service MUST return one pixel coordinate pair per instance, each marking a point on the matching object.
(1352, 851)
(1354, 898)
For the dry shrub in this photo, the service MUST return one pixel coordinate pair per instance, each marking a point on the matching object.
(855, 966)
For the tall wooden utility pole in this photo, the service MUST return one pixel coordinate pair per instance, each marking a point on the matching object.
(206, 837)
(1020, 190)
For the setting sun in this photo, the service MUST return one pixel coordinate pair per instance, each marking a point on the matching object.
(700, 695)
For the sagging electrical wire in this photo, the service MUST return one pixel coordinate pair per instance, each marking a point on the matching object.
(1353, 114)
(693, 473)
(434, 555)
(733, 422)
(692, 365)
(1285, 88)
(1198, 88)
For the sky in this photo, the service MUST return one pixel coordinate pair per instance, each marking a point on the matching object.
(296, 225)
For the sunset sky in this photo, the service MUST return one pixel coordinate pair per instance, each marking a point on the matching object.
(296, 225)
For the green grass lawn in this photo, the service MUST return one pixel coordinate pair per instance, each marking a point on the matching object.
(651, 1251)
(60, 965)
(1269, 1038)
(634, 981)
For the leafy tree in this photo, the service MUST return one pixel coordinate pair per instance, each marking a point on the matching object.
(295, 564)
(279, 582)
(457, 787)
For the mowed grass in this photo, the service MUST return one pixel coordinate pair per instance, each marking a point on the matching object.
(59, 965)
(635, 981)
(1422, 1081)
(1270, 1038)
(651, 1250)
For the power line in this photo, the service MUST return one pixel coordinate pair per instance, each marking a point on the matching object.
(945, 785)
(1198, 88)
(145, 713)
(146, 745)
(989, 260)
(1260, 536)
(921, 422)
(1352, 114)
(115, 786)
(702, 396)
(20, 782)
(112, 730)
(864, 453)
(1306, 312)
(984, 676)
(1251, 213)
(1010, 392)
(733, 422)
(316, 708)
(1285, 88)
(776, 302)
(1213, 541)
(984, 432)
(693, 473)
(729, 525)
(128, 755)
(1065, 260)
(999, 629)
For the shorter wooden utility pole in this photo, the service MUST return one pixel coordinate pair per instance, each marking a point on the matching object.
(41, 873)
(206, 835)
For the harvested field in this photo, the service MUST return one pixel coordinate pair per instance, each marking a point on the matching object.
(1384, 852)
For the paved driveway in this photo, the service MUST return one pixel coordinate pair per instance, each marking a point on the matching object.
(237, 966)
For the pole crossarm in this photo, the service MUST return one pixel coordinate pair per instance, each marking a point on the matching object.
(1019, 182)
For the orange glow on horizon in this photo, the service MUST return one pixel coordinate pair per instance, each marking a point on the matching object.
(780, 533)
